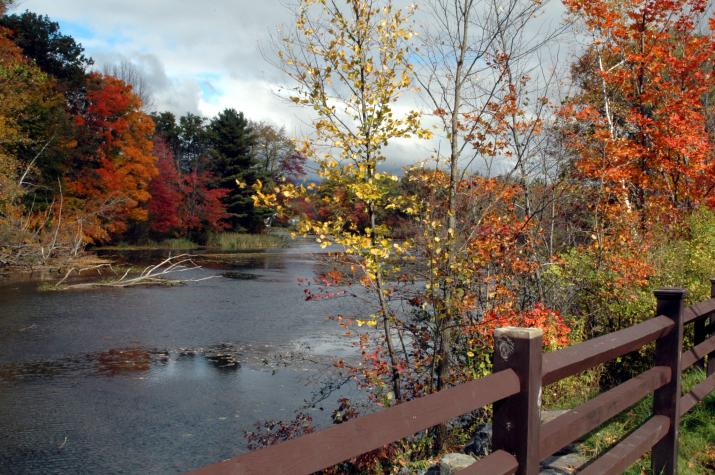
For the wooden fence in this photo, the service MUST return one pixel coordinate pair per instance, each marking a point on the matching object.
(520, 440)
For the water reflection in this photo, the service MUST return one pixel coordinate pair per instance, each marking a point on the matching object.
(223, 357)
(239, 275)
(130, 360)
(47, 369)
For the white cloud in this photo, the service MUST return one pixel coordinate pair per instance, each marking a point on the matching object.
(258, 99)
(177, 44)
(206, 56)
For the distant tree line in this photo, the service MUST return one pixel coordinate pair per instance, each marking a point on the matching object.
(82, 162)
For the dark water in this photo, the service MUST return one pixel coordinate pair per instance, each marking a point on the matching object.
(162, 380)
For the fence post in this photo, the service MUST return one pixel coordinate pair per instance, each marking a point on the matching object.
(517, 419)
(666, 400)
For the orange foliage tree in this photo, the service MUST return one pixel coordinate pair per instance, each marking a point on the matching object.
(642, 154)
(110, 179)
(639, 123)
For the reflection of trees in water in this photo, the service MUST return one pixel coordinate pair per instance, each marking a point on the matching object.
(122, 361)
(224, 357)
(18, 371)
(130, 360)
(113, 362)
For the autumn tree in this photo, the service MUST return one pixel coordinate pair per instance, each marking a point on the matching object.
(28, 204)
(110, 181)
(46, 123)
(640, 134)
(636, 128)
(17, 94)
(349, 61)
(186, 204)
(275, 153)
(202, 209)
(166, 192)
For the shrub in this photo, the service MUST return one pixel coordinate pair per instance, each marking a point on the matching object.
(241, 241)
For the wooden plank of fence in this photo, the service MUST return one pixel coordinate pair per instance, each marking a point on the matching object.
(710, 330)
(698, 310)
(699, 333)
(697, 394)
(336, 444)
(496, 463)
(574, 359)
(630, 449)
(517, 419)
(666, 400)
(583, 419)
(697, 353)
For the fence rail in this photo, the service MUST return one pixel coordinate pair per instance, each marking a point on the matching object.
(520, 441)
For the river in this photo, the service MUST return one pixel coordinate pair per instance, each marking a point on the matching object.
(163, 380)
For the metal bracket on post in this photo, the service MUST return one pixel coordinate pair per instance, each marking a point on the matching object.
(517, 419)
(666, 400)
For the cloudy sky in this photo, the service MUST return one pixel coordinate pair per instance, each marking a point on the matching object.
(197, 57)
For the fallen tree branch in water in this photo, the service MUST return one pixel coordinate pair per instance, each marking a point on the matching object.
(151, 275)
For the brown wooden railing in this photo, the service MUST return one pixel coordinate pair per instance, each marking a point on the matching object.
(520, 441)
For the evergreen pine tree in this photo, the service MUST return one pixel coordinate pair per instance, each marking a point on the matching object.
(165, 126)
(193, 143)
(232, 160)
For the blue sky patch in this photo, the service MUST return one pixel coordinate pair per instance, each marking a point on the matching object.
(209, 93)
(76, 30)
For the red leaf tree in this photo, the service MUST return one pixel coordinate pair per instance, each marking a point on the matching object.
(202, 208)
(165, 189)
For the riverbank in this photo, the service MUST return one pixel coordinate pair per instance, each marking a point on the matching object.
(50, 269)
(216, 247)
(222, 241)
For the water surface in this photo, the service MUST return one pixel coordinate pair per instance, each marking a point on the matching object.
(162, 380)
